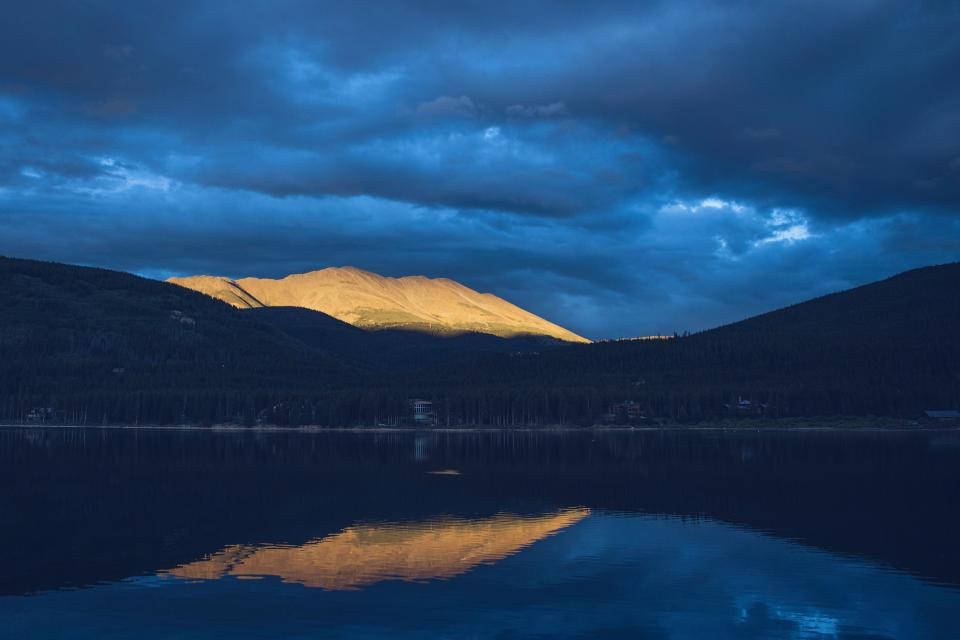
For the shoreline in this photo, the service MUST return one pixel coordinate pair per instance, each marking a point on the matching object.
(805, 424)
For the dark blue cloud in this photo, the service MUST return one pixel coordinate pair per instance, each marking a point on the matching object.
(620, 169)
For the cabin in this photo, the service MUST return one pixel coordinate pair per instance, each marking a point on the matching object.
(421, 411)
(626, 411)
(745, 407)
(40, 414)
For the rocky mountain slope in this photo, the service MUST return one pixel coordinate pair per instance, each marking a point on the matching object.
(371, 301)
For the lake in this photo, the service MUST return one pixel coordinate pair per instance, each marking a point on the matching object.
(599, 534)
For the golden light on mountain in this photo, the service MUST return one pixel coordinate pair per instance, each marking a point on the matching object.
(371, 301)
(365, 554)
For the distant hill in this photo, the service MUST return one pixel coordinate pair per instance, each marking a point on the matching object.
(370, 301)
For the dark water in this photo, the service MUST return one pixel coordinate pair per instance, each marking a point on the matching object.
(659, 534)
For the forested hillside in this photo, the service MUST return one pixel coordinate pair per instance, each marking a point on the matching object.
(391, 351)
(93, 346)
(887, 348)
(96, 345)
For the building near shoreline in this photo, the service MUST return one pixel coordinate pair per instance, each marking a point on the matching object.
(422, 411)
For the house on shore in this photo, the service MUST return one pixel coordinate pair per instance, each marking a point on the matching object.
(624, 412)
(421, 411)
(745, 407)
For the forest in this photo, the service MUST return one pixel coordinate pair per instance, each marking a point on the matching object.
(81, 345)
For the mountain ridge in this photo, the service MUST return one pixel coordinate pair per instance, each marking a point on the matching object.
(370, 301)
(92, 346)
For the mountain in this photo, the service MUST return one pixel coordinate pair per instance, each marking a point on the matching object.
(93, 346)
(370, 301)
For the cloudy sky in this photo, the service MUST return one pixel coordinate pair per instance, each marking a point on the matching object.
(621, 168)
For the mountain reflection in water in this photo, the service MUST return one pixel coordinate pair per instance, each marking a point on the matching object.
(364, 554)
(686, 534)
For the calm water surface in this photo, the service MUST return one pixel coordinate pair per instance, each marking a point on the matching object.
(656, 534)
